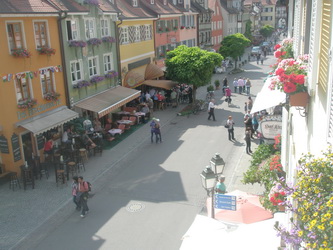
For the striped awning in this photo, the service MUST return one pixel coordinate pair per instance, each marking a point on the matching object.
(164, 84)
(103, 103)
(48, 120)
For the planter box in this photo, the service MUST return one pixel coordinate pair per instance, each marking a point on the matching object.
(299, 99)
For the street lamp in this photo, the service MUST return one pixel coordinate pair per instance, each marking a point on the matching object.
(208, 179)
(217, 163)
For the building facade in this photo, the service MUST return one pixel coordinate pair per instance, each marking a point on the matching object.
(216, 24)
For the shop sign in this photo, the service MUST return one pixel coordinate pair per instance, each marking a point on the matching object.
(39, 108)
(4, 145)
(16, 148)
(271, 126)
(40, 141)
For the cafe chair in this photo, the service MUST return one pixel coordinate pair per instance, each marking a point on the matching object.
(36, 166)
(13, 181)
(60, 177)
(122, 127)
(84, 154)
(107, 127)
(133, 120)
(44, 170)
(72, 168)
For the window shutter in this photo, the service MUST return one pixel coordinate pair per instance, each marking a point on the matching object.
(312, 35)
(121, 40)
(330, 120)
(131, 34)
(324, 45)
(297, 24)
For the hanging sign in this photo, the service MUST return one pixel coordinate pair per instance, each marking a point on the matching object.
(4, 145)
(16, 148)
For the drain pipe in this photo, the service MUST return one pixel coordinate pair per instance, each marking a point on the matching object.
(120, 78)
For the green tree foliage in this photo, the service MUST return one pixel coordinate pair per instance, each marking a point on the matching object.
(234, 46)
(248, 32)
(191, 65)
(266, 31)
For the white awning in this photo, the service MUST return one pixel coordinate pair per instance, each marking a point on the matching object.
(48, 120)
(267, 98)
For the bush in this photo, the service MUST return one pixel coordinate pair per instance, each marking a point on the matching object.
(217, 83)
(210, 88)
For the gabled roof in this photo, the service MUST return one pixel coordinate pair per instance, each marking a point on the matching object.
(229, 10)
(26, 6)
(199, 8)
(130, 12)
(160, 9)
(65, 5)
(183, 9)
(107, 6)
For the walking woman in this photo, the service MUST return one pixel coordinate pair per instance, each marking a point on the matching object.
(230, 126)
(74, 192)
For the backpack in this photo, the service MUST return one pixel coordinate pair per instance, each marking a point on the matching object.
(89, 186)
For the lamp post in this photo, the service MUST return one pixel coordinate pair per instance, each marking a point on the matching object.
(217, 164)
(208, 180)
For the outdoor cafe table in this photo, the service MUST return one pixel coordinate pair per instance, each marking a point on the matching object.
(140, 115)
(115, 131)
(126, 122)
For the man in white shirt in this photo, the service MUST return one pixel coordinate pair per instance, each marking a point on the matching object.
(211, 107)
(147, 96)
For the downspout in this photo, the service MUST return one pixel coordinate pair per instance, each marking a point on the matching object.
(118, 50)
(153, 32)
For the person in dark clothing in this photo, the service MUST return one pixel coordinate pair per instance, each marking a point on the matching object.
(190, 95)
(248, 134)
(225, 85)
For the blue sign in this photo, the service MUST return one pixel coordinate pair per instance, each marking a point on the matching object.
(227, 202)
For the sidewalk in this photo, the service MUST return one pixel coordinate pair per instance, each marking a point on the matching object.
(27, 216)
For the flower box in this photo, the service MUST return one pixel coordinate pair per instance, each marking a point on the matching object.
(21, 53)
(111, 74)
(182, 27)
(299, 99)
(77, 43)
(26, 103)
(51, 96)
(108, 39)
(96, 79)
(94, 42)
(81, 84)
(167, 29)
(46, 51)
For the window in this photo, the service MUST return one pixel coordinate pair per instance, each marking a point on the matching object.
(108, 65)
(105, 28)
(148, 32)
(72, 30)
(41, 38)
(135, 3)
(23, 89)
(47, 81)
(76, 71)
(165, 2)
(15, 36)
(152, 1)
(93, 66)
(89, 28)
(124, 35)
(137, 34)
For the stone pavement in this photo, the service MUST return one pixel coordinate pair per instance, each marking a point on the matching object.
(28, 216)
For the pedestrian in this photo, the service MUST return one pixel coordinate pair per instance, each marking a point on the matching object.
(75, 191)
(248, 134)
(235, 83)
(258, 58)
(249, 103)
(211, 107)
(262, 60)
(228, 95)
(248, 86)
(82, 195)
(255, 123)
(260, 137)
(241, 85)
(225, 85)
(230, 126)
(248, 122)
(152, 129)
(245, 108)
(220, 186)
(158, 131)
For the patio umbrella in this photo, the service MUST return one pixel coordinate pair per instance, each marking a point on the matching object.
(249, 209)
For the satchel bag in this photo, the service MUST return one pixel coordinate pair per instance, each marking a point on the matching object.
(226, 125)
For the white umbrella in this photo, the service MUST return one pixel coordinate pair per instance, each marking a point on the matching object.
(268, 98)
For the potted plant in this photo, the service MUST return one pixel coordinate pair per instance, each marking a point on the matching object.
(81, 84)
(51, 96)
(175, 27)
(77, 43)
(45, 50)
(94, 42)
(210, 88)
(108, 39)
(217, 84)
(182, 27)
(26, 103)
(21, 53)
(111, 74)
(96, 79)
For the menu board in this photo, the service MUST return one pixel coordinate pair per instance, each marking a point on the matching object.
(40, 141)
(16, 148)
(4, 145)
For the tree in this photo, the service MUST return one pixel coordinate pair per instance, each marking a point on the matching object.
(248, 32)
(266, 31)
(191, 65)
(234, 46)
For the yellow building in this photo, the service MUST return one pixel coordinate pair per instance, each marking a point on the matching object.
(268, 13)
(32, 91)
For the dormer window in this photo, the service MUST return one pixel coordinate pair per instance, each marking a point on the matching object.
(135, 3)
(165, 2)
(180, 1)
(152, 1)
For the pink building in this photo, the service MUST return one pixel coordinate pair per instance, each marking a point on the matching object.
(217, 23)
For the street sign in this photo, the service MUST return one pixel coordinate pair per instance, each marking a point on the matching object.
(227, 202)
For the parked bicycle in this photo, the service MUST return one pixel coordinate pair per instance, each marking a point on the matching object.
(199, 105)
(209, 96)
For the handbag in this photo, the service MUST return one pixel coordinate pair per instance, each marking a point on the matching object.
(226, 125)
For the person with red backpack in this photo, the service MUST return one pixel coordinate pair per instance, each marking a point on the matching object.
(82, 195)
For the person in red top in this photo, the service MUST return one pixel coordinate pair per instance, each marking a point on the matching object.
(82, 195)
(48, 146)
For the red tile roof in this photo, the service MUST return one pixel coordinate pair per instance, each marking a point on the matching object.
(130, 12)
(159, 8)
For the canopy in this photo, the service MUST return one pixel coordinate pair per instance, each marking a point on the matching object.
(48, 120)
(268, 98)
(133, 79)
(103, 103)
(164, 84)
(153, 71)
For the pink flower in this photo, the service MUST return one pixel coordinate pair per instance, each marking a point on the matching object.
(277, 46)
(289, 87)
(279, 71)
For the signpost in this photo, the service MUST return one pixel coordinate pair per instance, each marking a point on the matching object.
(227, 202)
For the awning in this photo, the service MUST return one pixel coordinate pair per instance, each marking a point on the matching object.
(268, 98)
(133, 79)
(103, 103)
(153, 71)
(164, 84)
(48, 120)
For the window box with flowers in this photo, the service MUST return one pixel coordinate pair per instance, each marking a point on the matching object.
(96, 79)
(94, 42)
(81, 84)
(160, 29)
(108, 39)
(46, 51)
(188, 27)
(51, 96)
(167, 29)
(77, 43)
(111, 74)
(289, 77)
(182, 27)
(22, 53)
(26, 103)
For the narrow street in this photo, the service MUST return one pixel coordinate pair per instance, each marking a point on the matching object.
(152, 197)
